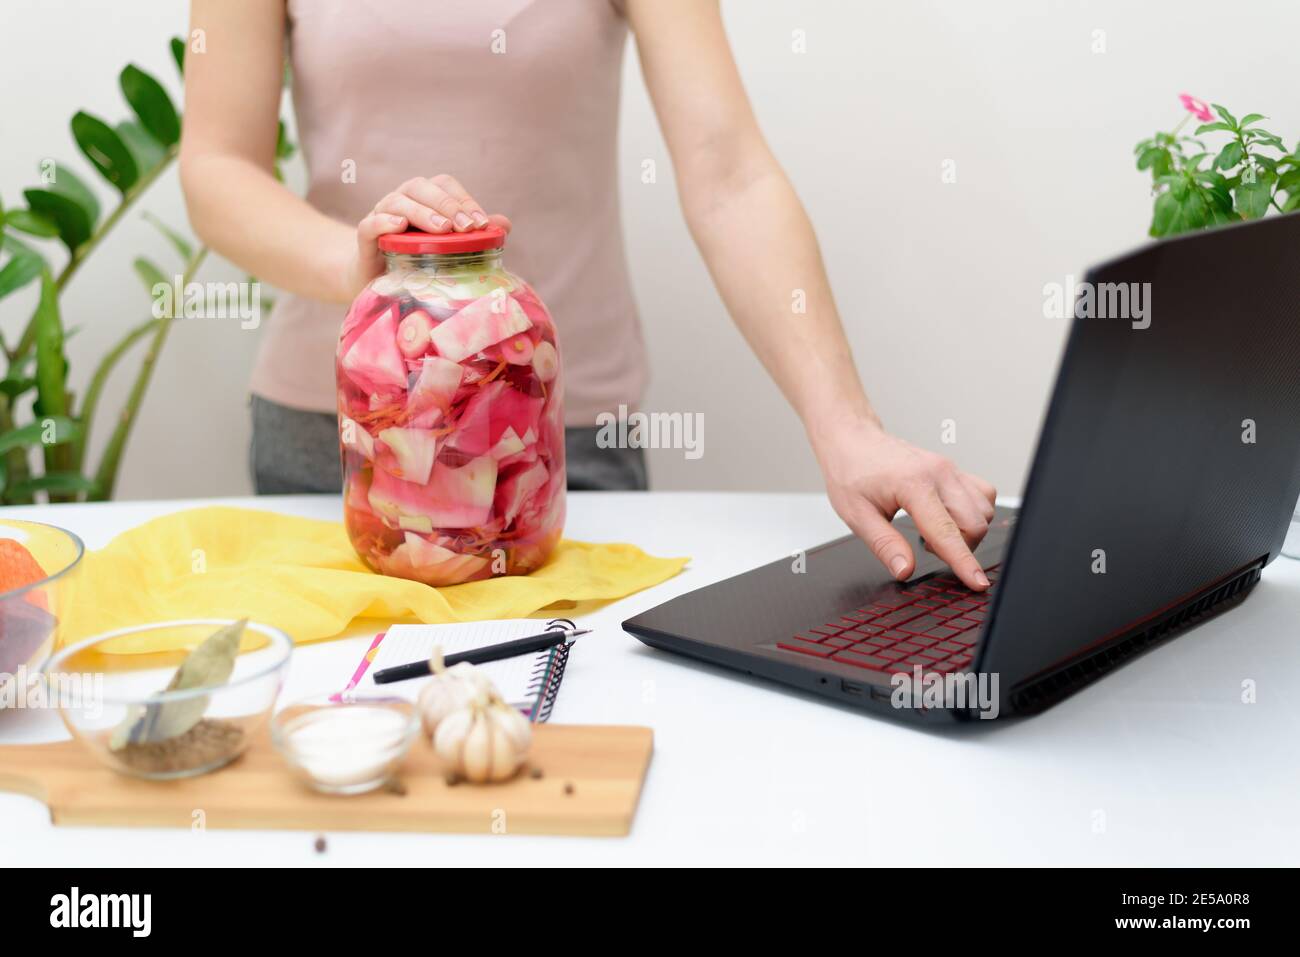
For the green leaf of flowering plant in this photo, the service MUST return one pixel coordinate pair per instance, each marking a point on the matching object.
(178, 54)
(1260, 138)
(1253, 199)
(1213, 128)
(1229, 156)
(1183, 211)
(1226, 116)
(1251, 118)
(1156, 159)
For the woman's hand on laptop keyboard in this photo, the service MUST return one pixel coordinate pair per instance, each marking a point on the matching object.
(871, 474)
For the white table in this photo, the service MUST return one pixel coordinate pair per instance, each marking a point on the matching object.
(1159, 764)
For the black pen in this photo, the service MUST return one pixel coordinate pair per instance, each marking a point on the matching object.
(508, 649)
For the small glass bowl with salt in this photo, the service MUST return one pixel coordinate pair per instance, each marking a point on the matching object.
(344, 743)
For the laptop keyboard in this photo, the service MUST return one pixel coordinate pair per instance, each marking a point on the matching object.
(934, 624)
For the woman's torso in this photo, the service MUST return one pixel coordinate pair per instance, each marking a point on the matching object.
(516, 98)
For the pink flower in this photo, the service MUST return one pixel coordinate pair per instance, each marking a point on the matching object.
(1198, 108)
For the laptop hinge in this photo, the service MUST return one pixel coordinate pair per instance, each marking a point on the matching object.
(1045, 690)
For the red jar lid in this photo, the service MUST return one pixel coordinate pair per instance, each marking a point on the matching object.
(416, 242)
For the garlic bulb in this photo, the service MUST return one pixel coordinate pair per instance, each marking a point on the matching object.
(485, 741)
(450, 689)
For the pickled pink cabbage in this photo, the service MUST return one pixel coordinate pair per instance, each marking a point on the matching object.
(451, 427)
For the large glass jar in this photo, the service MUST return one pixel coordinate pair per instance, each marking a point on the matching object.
(451, 414)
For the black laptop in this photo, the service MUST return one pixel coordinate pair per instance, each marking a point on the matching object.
(1167, 469)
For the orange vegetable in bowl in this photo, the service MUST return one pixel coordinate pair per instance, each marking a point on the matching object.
(18, 569)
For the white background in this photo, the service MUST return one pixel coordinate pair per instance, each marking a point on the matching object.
(940, 285)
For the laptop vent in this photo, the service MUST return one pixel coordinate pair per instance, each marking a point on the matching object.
(1051, 688)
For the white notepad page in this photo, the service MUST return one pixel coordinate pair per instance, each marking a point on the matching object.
(512, 676)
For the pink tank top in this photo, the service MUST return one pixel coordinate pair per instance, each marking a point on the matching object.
(518, 99)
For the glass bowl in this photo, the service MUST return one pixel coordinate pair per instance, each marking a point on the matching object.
(29, 615)
(105, 682)
(344, 743)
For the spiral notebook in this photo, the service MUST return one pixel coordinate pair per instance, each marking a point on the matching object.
(530, 682)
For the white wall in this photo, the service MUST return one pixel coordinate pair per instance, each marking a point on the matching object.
(940, 285)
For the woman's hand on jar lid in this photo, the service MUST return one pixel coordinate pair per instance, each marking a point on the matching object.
(435, 204)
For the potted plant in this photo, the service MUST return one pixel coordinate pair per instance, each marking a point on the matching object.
(1243, 174)
(38, 408)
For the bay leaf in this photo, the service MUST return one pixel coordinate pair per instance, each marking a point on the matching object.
(211, 663)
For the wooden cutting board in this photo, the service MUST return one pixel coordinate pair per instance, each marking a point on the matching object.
(590, 782)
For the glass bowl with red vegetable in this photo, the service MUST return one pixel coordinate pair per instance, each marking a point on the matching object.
(451, 414)
(35, 561)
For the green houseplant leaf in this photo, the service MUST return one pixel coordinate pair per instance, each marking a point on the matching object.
(24, 264)
(149, 274)
(32, 223)
(65, 483)
(105, 149)
(179, 242)
(57, 429)
(67, 183)
(13, 387)
(69, 217)
(178, 54)
(51, 365)
(145, 150)
(151, 104)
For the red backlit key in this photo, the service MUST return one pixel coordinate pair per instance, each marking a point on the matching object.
(862, 661)
(919, 626)
(943, 631)
(807, 647)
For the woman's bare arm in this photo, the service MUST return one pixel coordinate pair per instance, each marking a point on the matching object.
(760, 247)
(232, 110)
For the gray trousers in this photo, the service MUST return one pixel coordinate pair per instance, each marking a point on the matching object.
(295, 451)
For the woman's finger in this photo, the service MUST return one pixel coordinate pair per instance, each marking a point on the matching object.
(885, 541)
(964, 510)
(942, 534)
(450, 185)
(496, 219)
(430, 194)
(376, 225)
(418, 214)
(985, 489)
(981, 493)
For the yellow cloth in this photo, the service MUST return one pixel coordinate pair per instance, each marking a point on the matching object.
(302, 576)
